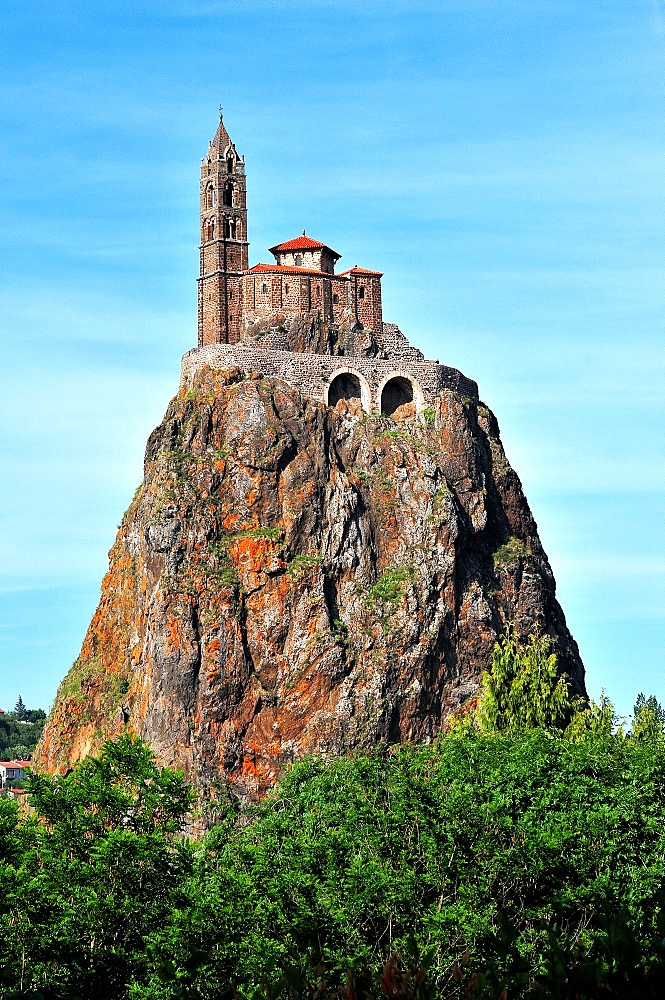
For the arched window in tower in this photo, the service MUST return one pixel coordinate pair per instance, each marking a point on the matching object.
(361, 292)
(298, 260)
(233, 229)
(210, 196)
(210, 229)
(227, 198)
(230, 165)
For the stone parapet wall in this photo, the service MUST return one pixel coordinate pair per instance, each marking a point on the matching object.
(394, 343)
(312, 374)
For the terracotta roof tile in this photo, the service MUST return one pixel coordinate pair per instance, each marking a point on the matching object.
(303, 243)
(287, 269)
(361, 270)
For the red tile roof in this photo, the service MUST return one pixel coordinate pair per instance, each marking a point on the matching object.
(288, 269)
(361, 270)
(15, 763)
(303, 243)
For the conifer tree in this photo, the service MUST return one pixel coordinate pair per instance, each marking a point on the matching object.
(523, 689)
(20, 711)
(648, 718)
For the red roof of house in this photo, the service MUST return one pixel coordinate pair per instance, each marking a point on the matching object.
(361, 270)
(304, 243)
(288, 269)
(15, 763)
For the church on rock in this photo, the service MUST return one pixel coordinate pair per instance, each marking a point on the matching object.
(297, 319)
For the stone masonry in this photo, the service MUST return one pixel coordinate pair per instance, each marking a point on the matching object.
(296, 319)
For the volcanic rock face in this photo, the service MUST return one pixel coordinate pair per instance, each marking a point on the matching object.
(311, 335)
(292, 578)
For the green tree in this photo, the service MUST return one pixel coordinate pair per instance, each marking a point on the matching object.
(523, 689)
(20, 711)
(534, 861)
(593, 720)
(121, 789)
(541, 858)
(648, 718)
(100, 867)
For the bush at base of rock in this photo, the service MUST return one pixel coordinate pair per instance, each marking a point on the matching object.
(538, 857)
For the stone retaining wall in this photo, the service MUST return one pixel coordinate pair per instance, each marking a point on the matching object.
(312, 374)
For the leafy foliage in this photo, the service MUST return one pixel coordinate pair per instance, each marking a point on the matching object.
(593, 719)
(529, 860)
(389, 589)
(20, 731)
(122, 788)
(508, 553)
(523, 689)
(537, 859)
(20, 711)
(648, 718)
(84, 887)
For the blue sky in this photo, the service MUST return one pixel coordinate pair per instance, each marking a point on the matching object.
(500, 162)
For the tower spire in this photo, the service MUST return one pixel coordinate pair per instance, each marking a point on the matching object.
(224, 247)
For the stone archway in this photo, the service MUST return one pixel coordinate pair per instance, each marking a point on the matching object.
(400, 396)
(346, 383)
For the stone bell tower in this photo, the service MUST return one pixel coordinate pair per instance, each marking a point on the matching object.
(224, 247)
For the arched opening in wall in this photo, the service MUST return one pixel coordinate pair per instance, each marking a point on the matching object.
(298, 260)
(230, 165)
(397, 398)
(347, 386)
(227, 195)
(210, 196)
